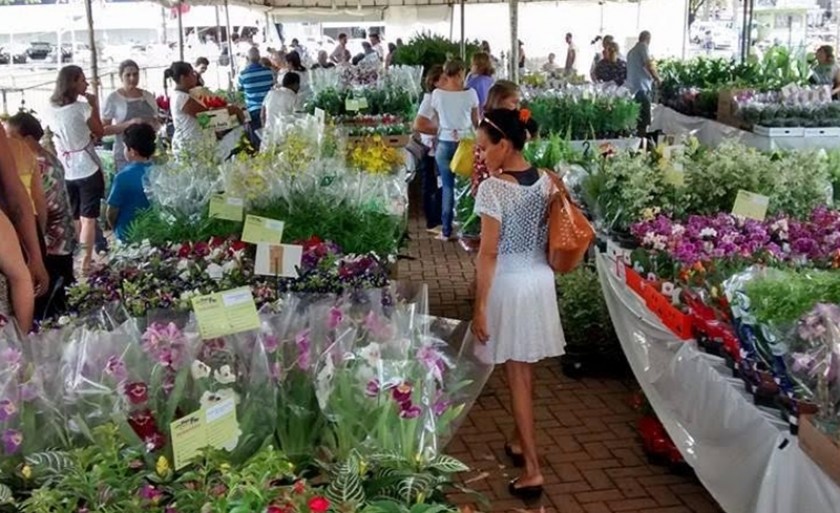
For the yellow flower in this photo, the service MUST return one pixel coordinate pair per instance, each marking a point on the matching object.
(162, 466)
(26, 472)
(224, 468)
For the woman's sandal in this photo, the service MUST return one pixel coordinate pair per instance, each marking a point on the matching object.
(516, 457)
(525, 492)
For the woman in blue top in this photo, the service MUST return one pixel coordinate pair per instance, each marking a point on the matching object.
(481, 78)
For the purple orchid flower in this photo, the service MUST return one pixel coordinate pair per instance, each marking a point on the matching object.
(335, 318)
(303, 343)
(270, 343)
(8, 410)
(116, 367)
(12, 439)
(409, 411)
(373, 388)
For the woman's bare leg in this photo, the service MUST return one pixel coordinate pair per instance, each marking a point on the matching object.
(87, 238)
(520, 380)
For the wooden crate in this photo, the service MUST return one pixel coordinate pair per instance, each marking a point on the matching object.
(819, 447)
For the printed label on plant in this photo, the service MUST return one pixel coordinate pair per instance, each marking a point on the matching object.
(213, 426)
(226, 313)
(751, 205)
(223, 207)
(261, 229)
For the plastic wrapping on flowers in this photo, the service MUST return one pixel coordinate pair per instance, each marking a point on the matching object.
(12, 430)
(469, 222)
(386, 386)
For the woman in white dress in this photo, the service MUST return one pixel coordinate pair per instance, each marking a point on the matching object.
(516, 315)
(128, 105)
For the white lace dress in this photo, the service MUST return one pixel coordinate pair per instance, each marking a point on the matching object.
(522, 316)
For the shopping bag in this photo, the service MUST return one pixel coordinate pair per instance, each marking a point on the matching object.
(462, 161)
(569, 232)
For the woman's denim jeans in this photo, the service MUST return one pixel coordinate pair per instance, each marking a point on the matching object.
(443, 156)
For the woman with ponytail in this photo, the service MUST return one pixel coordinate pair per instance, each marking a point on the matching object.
(515, 315)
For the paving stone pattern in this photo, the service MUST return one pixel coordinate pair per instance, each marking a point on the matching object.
(592, 460)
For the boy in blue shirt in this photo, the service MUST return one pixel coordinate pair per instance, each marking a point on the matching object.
(127, 195)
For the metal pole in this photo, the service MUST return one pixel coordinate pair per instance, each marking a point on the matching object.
(686, 27)
(230, 43)
(94, 66)
(180, 32)
(463, 33)
(513, 8)
(745, 31)
(218, 28)
(451, 21)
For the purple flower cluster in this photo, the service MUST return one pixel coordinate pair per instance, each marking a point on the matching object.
(725, 236)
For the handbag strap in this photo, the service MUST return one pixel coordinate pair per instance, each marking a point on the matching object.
(562, 194)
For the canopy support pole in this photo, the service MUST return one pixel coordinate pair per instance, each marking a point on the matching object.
(231, 59)
(463, 33)
(218, 28)
(180, 32)
(686, 27)
(513, 65)
(94, 65)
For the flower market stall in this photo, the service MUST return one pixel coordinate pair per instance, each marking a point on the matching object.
(720, 296)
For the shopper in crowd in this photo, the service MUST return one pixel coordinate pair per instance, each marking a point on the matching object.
(516, 318)
(392, 50)
(432, 204)
(522, 58)
(127, 106)
(571, 56)
(127, 196)
(550, 66)
(641, 75)
(280, 104)
(255, 81)
(341, 55)
(26, 163)
(201, 65)
(611, 68)
(826, 71)
(323, 61)
(367, 55)
(503, 95)
(605, 41)
(376, 45)
(58, 229)
(457, 114)
(16, 205)
(481, 77)
(293, 64)
(76, 126)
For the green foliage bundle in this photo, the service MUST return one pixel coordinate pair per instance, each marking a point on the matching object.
(782, 297)
(586, 320)
(381, 100)
(595, 117)
(426, 49)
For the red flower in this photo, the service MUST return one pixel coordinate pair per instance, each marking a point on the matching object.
(142, 423)
(185, 250)
(237, 245)
(201, 249)
(137, 393)
(215, 242)
(311, 243)
(524, 115)
(319, 504)
(278, 509)
(299, 487)
(155, 441)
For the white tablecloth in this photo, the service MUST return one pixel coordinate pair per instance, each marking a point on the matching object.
(712, 133)
(744, 455)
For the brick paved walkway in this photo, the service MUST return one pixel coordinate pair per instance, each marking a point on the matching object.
(592, 460)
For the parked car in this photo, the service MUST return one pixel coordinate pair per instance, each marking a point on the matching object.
(5, 57)
(39, 51)
(18, 53)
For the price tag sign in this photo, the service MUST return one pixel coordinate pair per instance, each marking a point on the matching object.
(225, 207)
(351, 105)
(214, 426)
(226, 313)
(361, 103)
(261, 229)
(281, 260)
(321, 116)
(751, 205)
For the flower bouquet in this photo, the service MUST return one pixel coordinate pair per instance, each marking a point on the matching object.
(372, 154)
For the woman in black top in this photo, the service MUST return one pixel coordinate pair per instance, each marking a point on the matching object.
(611, 68)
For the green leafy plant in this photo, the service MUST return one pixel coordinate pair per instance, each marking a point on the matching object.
(426, 50)
(781, 297)
(586, 117)
(587, 325)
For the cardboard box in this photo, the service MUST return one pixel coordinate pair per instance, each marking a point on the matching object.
(219, 120)
(819, 447)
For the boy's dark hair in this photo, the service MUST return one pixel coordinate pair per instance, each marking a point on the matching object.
(202, 60)
(27, 125)
(290, 79)
(140, 138)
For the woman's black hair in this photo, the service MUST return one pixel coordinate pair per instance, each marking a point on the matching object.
(293, 60)
(27, 125)
(507, 124)
(177, 71)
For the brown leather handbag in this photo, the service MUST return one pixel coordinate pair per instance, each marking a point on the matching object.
(569, 232)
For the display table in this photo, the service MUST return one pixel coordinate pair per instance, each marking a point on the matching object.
(744, 455)
(712, 133)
